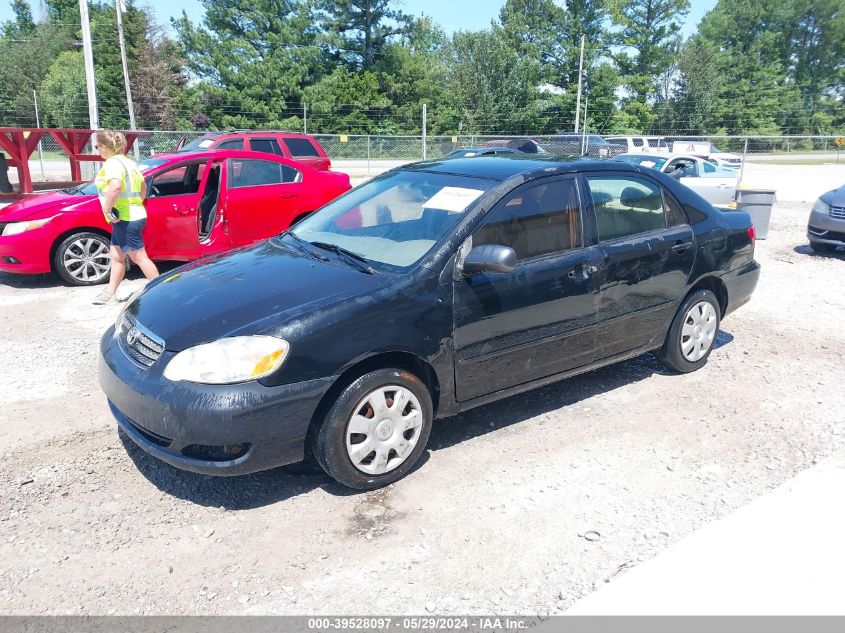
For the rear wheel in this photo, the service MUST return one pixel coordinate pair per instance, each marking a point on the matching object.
(82, 259)
(692, 333)
(376, 430)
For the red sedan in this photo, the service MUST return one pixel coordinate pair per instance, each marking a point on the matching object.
(198, 204)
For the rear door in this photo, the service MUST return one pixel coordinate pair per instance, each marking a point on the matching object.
(539, 319)
(172, 204)
(304, 151)
(265, 144)
(647, 248)
(261, 198)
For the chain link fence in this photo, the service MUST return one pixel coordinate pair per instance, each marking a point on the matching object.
(366, 155)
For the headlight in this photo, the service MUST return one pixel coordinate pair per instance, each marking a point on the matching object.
(821, 207)
(229, 360)
(14, 228)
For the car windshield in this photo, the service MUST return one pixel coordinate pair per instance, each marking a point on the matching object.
(640, 159)
(200, 143)
(395, 220)
(90, 189)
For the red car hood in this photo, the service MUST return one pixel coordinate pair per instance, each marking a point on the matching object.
(42, 206)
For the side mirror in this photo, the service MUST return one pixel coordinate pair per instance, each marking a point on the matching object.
(489, 258)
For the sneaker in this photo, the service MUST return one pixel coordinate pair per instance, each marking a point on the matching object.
(105, 298)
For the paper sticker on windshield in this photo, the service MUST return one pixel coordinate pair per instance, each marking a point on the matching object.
(452, 199)
(647, 163)
(206, 143)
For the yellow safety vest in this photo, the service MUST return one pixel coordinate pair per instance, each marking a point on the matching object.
(130, 204)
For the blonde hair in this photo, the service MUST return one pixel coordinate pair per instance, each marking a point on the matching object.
(115, 141)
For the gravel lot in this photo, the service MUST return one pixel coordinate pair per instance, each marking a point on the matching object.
(523, 506)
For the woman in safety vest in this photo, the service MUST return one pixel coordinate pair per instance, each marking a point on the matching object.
(121, 189)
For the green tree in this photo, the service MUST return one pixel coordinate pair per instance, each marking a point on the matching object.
(253, 58)
(496, 89)
(648, 37)
(362, 28)
(22, 25)
(64, 99)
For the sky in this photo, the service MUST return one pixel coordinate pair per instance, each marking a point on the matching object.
(452, 15)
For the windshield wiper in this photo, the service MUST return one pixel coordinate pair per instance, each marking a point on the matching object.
(353, 258)
(304, 248)
(71, 190)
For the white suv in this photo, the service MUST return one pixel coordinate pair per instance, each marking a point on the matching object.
(640, 143)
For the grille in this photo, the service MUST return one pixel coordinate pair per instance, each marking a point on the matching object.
(837, 212)
(140, 344)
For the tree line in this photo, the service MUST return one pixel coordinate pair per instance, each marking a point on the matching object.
(366, 67)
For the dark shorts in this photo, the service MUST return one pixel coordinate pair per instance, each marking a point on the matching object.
(127, 235)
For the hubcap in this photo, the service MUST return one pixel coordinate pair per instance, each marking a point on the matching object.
(87, 259)
(384, 429)
(698, 331)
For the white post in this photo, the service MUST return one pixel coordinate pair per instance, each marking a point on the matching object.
(742, 167)
(580, 71)
(118, 9)
(88, 55)
(424, 125)
(38, 124)
(368, 155)
(584, 127)
(304, 118)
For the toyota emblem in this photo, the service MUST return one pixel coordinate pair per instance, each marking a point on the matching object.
(132, 335)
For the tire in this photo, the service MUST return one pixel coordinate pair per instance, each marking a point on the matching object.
(693, 332)
(363, 417)
(822, 248)
(82, 259)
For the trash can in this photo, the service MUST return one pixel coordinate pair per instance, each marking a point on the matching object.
(758, 203)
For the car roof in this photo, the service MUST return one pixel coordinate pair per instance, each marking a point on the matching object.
(244, 132)
(502, 167)
(225, 153)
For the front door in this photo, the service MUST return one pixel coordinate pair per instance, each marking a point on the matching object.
(172, 201)
(647, 250)
(539, 319)
(261, 199)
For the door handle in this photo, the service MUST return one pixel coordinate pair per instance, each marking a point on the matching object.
(681, 247)
(287, 195)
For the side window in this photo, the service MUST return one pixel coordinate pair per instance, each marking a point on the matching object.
(708, 168)
(253, 173)
(301, 147)
(625, 206)
(536, 220)
(675, 215)
(638, 142)
(269, 145)
(235, 143)
(179, 181)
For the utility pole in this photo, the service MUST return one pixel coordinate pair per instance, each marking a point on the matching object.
(304, 118)
(118, 8)
(584, 143)
(580, 71)
(424, 126)
(38, 124)
(88, 55)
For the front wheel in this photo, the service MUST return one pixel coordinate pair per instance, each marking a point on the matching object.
(692, 333)
(82, 259)
(376, 429)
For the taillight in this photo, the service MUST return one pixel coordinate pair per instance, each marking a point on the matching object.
(751, 234)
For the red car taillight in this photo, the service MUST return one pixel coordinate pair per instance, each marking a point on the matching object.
(751, 233)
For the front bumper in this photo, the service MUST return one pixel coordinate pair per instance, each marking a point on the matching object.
(29, 249)
(740, 284)
(211, 429)
(824, 229)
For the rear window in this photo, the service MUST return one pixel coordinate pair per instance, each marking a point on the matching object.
(203, 142)
(301, 147)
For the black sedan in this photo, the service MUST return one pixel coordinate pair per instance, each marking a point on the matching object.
(427, 291)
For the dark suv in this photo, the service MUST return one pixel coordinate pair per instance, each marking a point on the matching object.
(299, 147)
(578, 144)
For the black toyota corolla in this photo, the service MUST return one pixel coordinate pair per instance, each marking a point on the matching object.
(434, 288)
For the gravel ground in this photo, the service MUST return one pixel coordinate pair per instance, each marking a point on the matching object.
(523, 506)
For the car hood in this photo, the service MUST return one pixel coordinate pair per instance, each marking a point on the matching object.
(246, 291)
(42, 206)
(835, 197)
